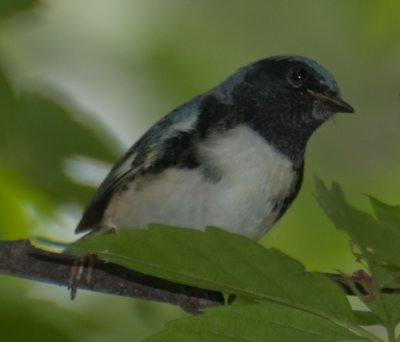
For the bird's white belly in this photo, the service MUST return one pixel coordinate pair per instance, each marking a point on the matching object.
(249, 180)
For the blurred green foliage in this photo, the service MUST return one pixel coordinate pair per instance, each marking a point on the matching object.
(78, 78)
(25, 319)
(9, 7)
(40, 137)
(15, 194)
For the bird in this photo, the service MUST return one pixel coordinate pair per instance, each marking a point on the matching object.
(232, 157)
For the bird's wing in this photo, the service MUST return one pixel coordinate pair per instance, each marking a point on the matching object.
(167, 143)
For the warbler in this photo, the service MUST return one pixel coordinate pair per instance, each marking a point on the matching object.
(232, 157)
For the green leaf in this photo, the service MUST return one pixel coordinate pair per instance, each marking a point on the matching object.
(221, 261)
(378, 242)
(38, 136)
(386, 212)
(9, 7)
(266, 321)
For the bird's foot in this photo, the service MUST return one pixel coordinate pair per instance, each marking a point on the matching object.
(81, 270)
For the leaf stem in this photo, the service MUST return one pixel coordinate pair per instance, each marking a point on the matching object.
(391, 331)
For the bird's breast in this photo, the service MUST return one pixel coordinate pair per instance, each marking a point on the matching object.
(254, 176)
(240, 186)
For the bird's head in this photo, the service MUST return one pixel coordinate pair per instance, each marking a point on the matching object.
(296, 88)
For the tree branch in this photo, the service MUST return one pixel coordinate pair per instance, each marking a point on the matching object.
(19, 258)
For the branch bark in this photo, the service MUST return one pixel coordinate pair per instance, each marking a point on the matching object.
(20, 259)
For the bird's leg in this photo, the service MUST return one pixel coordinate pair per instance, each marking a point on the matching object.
(82, 268)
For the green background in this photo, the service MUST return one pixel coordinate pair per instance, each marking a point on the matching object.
(80, 81)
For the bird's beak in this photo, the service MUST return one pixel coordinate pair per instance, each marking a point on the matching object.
(337, 104)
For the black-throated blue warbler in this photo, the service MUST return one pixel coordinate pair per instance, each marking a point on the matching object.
(232, 157)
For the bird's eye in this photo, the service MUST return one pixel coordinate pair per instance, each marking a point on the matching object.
(297, 76)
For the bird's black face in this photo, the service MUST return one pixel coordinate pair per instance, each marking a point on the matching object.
(295, 90)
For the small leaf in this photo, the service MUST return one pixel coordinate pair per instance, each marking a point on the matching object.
(378, 241)
(386, 212)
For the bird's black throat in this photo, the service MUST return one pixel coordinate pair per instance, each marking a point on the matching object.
(289, 138)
